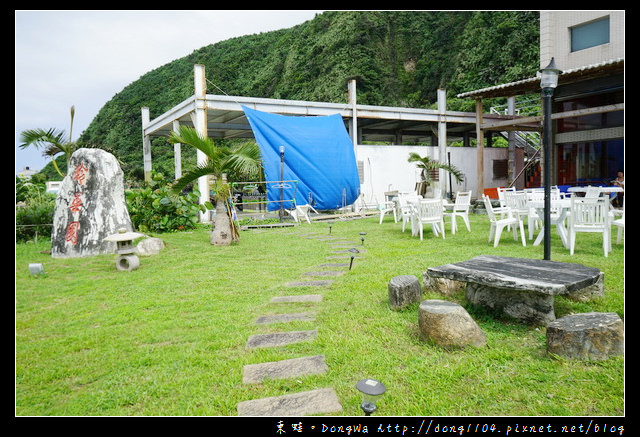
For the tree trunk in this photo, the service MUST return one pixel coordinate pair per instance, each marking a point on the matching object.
(222, 234)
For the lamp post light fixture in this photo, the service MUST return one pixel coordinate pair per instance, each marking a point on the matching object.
(371, 391)
(362, 234)
(548, 83)
(353, 252)
(330, 225)
(281, 212)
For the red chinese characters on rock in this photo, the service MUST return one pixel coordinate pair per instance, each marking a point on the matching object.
(72, 233)
(76, 203)
(80, 176)
(80, 173)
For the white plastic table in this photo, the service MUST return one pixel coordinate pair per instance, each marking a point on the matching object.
(563, 206)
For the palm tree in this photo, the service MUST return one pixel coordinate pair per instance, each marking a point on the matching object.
(427, 165)
(52, 140)
(242, 158)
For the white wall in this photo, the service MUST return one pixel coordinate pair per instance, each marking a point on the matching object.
(385, 168)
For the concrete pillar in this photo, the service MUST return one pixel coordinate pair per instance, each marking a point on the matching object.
(480, 145)
(146, 145)
(177, 153)
(200, 121)
(442, 139)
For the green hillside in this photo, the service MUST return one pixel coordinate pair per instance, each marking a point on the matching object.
(399, 59)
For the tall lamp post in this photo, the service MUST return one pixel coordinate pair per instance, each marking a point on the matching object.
(281, 212)
(548, 82)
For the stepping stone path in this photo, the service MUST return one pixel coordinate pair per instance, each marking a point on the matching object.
(321, 401)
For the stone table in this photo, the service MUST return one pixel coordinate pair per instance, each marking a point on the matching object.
(519, 287)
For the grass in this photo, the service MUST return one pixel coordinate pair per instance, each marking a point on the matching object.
(169, 338)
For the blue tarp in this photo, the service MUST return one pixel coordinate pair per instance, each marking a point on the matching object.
(318, 154)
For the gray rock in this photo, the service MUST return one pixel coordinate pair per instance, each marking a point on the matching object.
(448, 324)
(321, 401)
(293, 368)
(90, 206)
(587, 336)
(149, 246)
(403, 291)
(280, 338)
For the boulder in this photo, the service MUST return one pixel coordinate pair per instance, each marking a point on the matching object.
(448, 324)
(587, 336)
(90, 206)
(149, 246)
(403, 291)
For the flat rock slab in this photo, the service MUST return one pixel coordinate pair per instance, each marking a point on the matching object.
(301, 298)
(521, 288)
(350, 250)
(319, 401)
(331, 265)
(541, 276)
(293, 368)
(280, 338)
(319, 283)
(342, 257)
(326, 273)
(284, 318)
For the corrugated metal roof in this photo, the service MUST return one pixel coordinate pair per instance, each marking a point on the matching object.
(532, 84)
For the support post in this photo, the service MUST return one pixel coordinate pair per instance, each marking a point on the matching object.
(146, 145)
(442, 138)
(201, 127)
(511, 159)
(480, 145)
(547, 97)
(354, 115)
(177, 153)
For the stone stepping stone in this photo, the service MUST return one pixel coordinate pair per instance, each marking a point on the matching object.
(319, 283)
(334, 265)
(279, 339)
(326, 273)
(345, 243)
(319, 401)
(301, 298)
(283, 318)
(348, 251)
(343, 257)
(293, 368)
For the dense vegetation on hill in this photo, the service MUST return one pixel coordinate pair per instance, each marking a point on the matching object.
(399, 59)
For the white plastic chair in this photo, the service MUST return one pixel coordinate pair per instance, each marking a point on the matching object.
(498, 224)
(620, 224)
(406, 207)
(389, 205)
(590, 215)
(301, 212)
(429, 211)
(502, 209)
(460, 209)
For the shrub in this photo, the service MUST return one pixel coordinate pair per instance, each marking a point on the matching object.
(154, 208)
(34, 210)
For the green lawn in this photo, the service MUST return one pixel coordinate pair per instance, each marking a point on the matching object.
(169, 338)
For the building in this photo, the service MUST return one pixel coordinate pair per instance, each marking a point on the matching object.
(588, 103)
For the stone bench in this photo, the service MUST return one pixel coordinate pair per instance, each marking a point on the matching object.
(519, 287)
(586, 336)
(403, 291)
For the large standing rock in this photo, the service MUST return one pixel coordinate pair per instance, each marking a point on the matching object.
(90, 206)
(448, 324)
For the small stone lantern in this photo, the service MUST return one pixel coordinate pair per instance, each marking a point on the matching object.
(127, 259)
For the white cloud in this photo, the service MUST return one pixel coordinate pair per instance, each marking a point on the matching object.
(84, 58)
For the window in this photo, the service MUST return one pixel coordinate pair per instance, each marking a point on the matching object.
(590, 34)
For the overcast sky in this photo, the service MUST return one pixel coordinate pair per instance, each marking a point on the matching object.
(84, 58)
